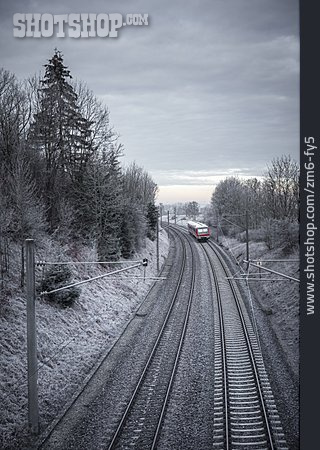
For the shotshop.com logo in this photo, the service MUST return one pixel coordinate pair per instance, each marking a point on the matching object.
(82, 25)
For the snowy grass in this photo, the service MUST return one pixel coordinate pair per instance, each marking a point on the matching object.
(69, 340)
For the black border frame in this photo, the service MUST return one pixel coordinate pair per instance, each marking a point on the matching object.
(309, 128)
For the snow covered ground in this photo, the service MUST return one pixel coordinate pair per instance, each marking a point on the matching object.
(69, 340)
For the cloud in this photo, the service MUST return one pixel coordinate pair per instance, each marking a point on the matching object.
(207, 86)
(202, 177)
(185, 193)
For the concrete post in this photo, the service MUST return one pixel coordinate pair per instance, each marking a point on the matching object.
(247, 237)
(158, 265)
(33, 408)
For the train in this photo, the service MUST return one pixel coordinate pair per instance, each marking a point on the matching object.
(199, 230)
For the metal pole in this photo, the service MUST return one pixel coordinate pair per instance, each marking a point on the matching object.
(273, 271)
(33, 407)
(168, 218)
(175, 215)
(247, 237)
(158, 265)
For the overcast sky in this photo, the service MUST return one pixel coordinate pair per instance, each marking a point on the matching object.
(209, 88)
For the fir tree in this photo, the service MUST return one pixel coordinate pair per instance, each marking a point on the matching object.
(108, 244)
(61, 134)
(127, 241)
(152, 218)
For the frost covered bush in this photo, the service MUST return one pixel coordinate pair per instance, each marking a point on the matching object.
(56, 277)
(256, 235)
(280, 234)
(233, 231)
(242, 236)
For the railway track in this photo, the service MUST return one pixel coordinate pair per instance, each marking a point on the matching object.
(141, 422)
(138, 421)
(246, 415)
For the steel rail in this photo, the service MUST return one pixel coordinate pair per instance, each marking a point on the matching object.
(117, 433)
(224, 352)
(164, 405)
(249, 346)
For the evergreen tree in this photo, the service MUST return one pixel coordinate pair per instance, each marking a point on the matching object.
(128, 231)
(61, 135)
(152, 218)
(108, 243)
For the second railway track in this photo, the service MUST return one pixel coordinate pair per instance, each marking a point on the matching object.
(141, 422)
(246, 414)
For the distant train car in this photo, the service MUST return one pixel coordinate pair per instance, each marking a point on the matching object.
(199, 230)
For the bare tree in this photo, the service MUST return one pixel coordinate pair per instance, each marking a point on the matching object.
(139, 185)
(192, 209)
(281, 188)
(27, 219)
(14, 116)
(5, 220)
(103, 137)
(230, 199)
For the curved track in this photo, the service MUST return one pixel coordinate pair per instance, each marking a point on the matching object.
(141, 422)
(245, 414)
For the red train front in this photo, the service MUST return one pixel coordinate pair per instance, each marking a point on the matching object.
(199, 230)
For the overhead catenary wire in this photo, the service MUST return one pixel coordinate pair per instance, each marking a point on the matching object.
(276, 260)
(137, 278)
(237, 246)
(272, 271)
(253, 279)
(78, 283)
(71, 263)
